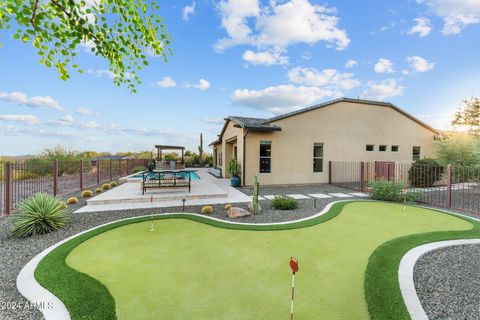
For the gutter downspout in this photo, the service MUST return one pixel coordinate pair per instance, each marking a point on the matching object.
(244, 149)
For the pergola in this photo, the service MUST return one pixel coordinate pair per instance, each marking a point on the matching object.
(161, 147)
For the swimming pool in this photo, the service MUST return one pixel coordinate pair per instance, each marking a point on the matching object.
(183, 174)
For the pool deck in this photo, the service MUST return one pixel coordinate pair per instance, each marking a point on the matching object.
(207, 190)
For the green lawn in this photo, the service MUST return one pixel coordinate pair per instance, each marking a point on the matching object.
(191, 270)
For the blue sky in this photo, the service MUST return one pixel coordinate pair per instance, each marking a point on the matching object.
(249, 58)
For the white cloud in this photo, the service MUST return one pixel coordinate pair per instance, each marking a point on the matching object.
(279, 25)
(384, 66)
(68, 119)
(166, 82)
(279, 99)
(422, 27)
(328, 78)
(265, 58)
(21, 118)
(350, 63)
(89, 125)
(420, 64)
(213, 120)
(456, 14)
(21, 98)
(101, 73)
(188, 11)
(382, 90)
(202, 84)
(84, 111)
(306, 55)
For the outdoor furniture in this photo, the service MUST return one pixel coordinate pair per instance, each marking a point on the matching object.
(166, 180)
(173, 165)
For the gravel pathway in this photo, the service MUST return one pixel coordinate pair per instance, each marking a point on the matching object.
(448, 282)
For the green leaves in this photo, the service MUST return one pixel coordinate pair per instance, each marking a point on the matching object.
(120, 31)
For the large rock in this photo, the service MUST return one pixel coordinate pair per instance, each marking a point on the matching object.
(236, 212)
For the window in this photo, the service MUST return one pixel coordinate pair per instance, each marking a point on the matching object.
(318, 157)
(394, 148)
(416, 153)
(382, 148)
(265, 156)
(235, 152)
(370, 147)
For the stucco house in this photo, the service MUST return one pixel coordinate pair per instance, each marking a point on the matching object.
(295, 148)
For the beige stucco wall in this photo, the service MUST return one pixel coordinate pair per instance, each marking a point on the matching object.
(345, 129)
(227, 147)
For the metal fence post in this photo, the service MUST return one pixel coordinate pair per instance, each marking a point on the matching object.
(449, 185)
(362, 176)
(98, 171)
(55, 177)
(110, 169)
(8, 188)
(329, 172)
(81, 174)
(128, 166)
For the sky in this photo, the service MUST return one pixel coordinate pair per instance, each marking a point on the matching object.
(247, 58)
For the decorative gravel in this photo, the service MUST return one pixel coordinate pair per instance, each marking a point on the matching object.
(448, 282)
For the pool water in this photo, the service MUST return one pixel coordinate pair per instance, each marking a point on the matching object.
(193, 175)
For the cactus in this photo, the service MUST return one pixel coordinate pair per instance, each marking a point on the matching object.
(256, 187)
(200, 149)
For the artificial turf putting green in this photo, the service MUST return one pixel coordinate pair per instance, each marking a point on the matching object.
(189, 270)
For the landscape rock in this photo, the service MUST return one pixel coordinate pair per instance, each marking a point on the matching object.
(236, 212)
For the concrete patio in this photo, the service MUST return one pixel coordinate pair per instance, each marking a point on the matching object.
(206, 190)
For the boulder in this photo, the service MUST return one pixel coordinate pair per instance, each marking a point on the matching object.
(236, 212)
(250, 207)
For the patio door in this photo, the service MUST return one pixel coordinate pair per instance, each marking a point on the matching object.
(385, 170)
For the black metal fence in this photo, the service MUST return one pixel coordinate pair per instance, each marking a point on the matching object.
(21, 180)
(443, 186)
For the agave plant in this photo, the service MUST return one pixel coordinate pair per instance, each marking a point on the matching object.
(38, 214)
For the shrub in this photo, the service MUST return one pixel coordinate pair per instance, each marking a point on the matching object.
(391, 191)
(138, 169)
(234, 168)
(72, 200)
(425, 172)
(113, 184)
(207, 209)
(38, 214)
(284, 203)
(86, 193)
(98, 190)
(227, 206)
(105, 186)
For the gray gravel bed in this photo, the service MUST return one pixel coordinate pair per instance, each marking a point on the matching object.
(447, 281)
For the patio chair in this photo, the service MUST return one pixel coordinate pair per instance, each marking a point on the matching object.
(173, 165)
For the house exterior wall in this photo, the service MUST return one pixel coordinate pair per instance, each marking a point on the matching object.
(345, 128)
(230, 133)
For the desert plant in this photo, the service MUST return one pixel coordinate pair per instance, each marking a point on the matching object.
(105, 186)
(228, 206)
(98, 190)
(138, 169)
(64, 204)
(425, 172)
(207, 209)
(391, 191)
(86, 193)
(256, 190)
(72, 200)
(38, 214)
(113, 184)
(284, 203)
(233, 168)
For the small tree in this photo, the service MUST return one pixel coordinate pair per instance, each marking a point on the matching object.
(458, 150)
(425, 172)
(469, 116)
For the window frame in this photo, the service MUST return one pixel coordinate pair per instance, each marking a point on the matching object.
(414, 156)
(369, 145)
(395, 145)
(264, 143)
(384, 146)
(322, 145)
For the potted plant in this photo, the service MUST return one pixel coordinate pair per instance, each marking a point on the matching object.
(151, 165)
(234, 169)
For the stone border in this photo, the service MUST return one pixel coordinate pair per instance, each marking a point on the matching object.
(407, 265)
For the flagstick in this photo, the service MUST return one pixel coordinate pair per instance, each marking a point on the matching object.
(152, 226)
(293, 295)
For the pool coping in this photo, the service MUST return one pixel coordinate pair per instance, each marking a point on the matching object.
(54, 309)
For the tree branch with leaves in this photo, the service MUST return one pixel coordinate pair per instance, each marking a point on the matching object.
(469, 116)
(124, 32)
